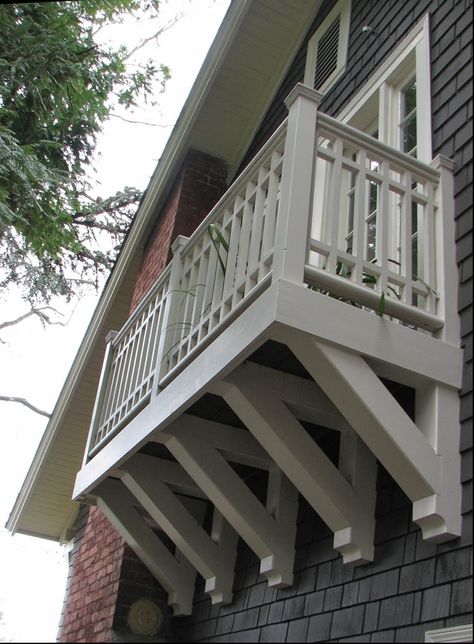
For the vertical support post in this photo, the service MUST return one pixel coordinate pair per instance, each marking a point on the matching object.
(437, 414)
(294, 218)
(170, 332)
(101, 390)
(445, 252)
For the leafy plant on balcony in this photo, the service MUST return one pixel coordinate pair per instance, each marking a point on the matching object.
(218, 241)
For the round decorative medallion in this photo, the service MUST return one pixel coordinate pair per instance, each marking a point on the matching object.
(144, 617)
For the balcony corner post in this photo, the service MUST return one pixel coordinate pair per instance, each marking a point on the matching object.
(169, 333)
(294, 219)
(101, 389)
(445, 257)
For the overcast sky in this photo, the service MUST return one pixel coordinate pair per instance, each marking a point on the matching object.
(34, 361)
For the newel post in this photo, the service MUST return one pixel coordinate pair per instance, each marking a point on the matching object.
(445, 253)
(101, 391)
(294, 218)
(170, 329)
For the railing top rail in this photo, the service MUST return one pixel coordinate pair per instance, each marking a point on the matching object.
(164, 275)
(352, 135)
(273, 142)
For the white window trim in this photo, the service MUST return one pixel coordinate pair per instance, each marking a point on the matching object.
(393, 73)
(453, 634)
(341, 8)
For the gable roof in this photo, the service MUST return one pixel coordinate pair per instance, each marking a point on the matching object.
(250, 55)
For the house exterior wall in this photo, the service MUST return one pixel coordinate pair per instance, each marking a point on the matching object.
(200, 183)
(96, 560)
(412, 586)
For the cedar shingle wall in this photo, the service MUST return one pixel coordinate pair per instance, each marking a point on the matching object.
(412, 586)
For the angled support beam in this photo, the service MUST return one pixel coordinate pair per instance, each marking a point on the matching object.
(170, 473)
(272, 539)
(213, 558)
(349, 515)
(303, 396)
(387, 430)
(237, 445)
(176, 577)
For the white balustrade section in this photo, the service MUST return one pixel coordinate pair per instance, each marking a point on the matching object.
(321, 204)
(372, 236)
(130, 366)
(228, 260)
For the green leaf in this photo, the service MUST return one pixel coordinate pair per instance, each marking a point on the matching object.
(381, 309)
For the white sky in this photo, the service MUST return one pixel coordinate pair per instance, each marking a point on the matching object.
(34, 361)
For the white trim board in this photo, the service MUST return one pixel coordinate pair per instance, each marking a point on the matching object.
(451, 634)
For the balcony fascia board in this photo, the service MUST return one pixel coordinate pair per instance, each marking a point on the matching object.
(401, 350)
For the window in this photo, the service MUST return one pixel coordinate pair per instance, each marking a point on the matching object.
(327, 48)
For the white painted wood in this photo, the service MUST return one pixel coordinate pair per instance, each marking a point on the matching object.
(230, 348)
(291, 243)
(271, 541)
(437, 414)
(170, 473)
(450, 634)
(214, 563)
(351, 518)
(101, 389)
(446, 267)
(423, 458)
(236, 445)
(171, 315)
(177, 578)
(374, 414)
(401, 350)
(303, 396)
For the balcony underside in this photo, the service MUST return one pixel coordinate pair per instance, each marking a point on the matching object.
(309, 391)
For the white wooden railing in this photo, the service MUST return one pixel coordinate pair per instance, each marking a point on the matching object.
(321, 204)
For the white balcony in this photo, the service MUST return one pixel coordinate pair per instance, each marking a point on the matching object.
(342, 249)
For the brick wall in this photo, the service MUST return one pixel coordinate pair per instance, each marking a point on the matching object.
(200, 183)
(95, 575)
(105, 579)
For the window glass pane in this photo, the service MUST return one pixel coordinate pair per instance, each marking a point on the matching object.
(409, 98)
(409, 133)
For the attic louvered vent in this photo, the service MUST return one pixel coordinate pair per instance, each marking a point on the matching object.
(327, 48)
(326, 55)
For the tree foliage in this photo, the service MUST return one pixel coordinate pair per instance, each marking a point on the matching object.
(57, 87)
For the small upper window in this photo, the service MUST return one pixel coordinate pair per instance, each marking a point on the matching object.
(327, 48)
